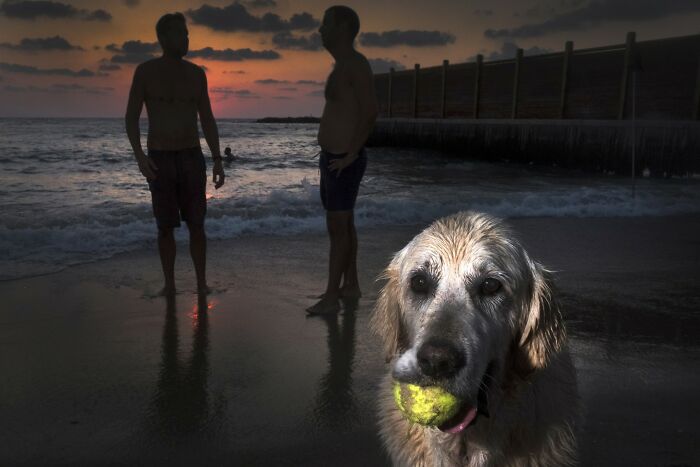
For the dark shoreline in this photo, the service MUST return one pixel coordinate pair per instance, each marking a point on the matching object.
(288, 120)
(253, 381)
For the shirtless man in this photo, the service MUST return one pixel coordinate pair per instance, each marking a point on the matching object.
(175, 91)
(347, 120)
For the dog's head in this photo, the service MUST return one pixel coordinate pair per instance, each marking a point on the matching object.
(464, 305)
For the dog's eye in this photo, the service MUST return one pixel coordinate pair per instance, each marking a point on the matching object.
(419, 284)
(490, 286)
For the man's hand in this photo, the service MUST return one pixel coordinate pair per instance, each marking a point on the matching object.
(218, 174)
(340, 164)
(147, 166)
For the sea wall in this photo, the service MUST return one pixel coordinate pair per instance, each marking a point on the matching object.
(664, 147)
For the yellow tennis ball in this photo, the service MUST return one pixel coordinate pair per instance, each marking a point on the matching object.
(430, 406)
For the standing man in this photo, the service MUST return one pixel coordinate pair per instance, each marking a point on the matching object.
(347, 120)
(175, 91)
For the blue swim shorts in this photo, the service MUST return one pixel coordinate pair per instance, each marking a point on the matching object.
(179, 189)
(338, 193)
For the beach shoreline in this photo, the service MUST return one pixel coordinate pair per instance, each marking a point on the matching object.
(99, 371)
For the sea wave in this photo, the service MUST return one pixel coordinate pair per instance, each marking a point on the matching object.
(35, 249)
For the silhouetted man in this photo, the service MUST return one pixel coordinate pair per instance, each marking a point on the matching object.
(347, 120)
(175, 91)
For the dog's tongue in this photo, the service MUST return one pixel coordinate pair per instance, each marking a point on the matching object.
(460, 421)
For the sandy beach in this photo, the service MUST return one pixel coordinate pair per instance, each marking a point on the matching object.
(97, 371)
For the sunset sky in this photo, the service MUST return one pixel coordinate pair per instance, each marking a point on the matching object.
(263, 57)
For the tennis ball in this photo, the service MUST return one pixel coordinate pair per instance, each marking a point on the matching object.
(430, 406)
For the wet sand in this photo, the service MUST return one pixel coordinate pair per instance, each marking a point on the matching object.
(95, 371)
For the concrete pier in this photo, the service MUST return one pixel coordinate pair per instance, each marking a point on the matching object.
(662, 147)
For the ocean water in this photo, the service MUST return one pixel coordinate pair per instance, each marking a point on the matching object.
(71, 192)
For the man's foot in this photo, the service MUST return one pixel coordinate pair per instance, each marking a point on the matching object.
(350, 291)
(326, 306)
(350, 304)
(345, 292)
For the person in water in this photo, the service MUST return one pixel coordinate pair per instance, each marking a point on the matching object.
(229, 155)
(175, 93)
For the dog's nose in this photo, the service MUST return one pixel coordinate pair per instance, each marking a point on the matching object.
(439, 359)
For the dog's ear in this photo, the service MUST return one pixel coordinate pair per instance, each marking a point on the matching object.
(543, 332)
(386, 319)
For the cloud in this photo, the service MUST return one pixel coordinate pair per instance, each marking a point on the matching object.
(32, 70)
(98, 15)
(483, 12)
(109, 67)
(509, 50)
(286, 98)
(60, 88)
(318, 93)
(131, 3)
(235, 72)
(286, 40)
(596, 12)
(287, 89)
(41, 44)
(235, 17)
(272, 81)
(549, 8)
(138, 52)
(310, 82)
(260, 3)
(134, 47)
(226, 92)
(303, 82)
(411, 38)
(31, 10)
(81, 88)
(231, 55)
(133, 51)
(382, 65)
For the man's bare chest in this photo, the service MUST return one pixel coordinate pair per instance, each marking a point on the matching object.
(173, 89)
(338, 85)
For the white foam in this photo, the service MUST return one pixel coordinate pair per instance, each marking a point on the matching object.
(32, 250)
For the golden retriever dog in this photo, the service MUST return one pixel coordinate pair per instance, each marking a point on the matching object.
(466, 309)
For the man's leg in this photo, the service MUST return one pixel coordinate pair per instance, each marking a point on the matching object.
(338, 225)
(198, 251)
(351, 285)
(166, 248)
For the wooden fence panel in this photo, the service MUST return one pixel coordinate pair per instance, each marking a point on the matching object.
(497, 90)
(540, 86)
(594, 84)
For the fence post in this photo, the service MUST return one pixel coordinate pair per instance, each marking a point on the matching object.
(629, 46)
(516, 82)
(391, 80)
(477, 84)
(568, 49)
(414, 110)
(445, 64)
(696, 102)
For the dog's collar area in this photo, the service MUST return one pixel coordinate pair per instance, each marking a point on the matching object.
(482, 403)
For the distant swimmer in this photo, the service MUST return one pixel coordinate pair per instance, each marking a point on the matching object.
(348, 117)
(175, 94)
(229, 155)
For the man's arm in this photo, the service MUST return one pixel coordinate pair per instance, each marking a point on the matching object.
(133, 113)
(211, 132)
(363, 88)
